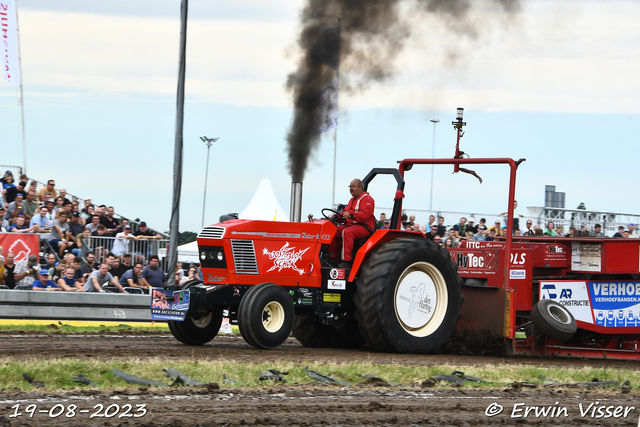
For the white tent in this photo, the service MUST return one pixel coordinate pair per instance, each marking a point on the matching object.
(188, 253)
(264, 205)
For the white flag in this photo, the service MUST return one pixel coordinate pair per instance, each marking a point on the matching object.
(9, 45)
(330, 106)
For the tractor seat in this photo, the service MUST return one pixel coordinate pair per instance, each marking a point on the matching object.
(357, 244)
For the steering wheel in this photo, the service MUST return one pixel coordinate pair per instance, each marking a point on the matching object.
(338, 220)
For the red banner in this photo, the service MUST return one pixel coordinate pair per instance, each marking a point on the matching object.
(22, 245)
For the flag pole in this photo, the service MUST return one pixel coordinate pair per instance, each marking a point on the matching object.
(177, 159)
(335, 131)
(335, 150)
(24, 137)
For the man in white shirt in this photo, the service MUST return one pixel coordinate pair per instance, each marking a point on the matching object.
(121, 244)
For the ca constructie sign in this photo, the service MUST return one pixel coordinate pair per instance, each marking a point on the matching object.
(9, 45)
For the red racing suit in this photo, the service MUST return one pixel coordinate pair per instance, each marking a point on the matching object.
(360, 225)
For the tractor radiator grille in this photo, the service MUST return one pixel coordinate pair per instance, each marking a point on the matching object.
(244, 256)
(212, 232)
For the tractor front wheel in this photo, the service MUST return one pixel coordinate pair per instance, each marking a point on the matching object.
(197, 328)
(408, 297)
(265, 316)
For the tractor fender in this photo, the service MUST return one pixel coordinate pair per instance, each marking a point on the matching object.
(378, 238)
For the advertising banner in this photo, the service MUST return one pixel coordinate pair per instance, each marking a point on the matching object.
(602, 303)
(169, 305)
(21, 245)
(586, 256)
(616, 303)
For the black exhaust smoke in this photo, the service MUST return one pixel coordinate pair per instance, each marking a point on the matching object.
(370, 36)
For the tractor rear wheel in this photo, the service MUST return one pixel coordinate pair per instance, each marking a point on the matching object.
(311, 333)
(314, 334)
(554, 320)
(265, 316)
(408, 297)
(197, 328)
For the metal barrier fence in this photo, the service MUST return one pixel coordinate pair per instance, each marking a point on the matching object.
(101, 246)
(566, 218)
(140, 250)
(15, 170)
(36, 305)
(610, 221)
(450, 217)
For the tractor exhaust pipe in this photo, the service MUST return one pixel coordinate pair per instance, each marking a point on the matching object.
(295, 211)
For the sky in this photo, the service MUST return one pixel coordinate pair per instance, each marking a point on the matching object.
(557, 83)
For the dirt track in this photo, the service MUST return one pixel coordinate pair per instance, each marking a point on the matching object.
(295, 405)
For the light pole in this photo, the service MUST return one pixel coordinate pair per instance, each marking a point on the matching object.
(209, 142)
(433, 156)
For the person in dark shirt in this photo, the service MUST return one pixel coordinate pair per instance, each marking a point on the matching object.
(145, 234)
(75, 227)
(441, 227)
(152, 274)
(620, 232)
(9, 267)
(131, 277)
(109, 221)
(68, 281)
(124, 266)
(88, 267)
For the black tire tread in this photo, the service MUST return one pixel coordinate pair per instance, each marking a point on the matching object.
(309, 333)
(190, 334)
(244, 324)
(548, 325)
(246, 310)
(313, 334)
(372, 285)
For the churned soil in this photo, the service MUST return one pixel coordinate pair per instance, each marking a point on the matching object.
(297, 405)
(314, 405)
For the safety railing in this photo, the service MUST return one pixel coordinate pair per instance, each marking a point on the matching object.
(42, 305)
(140, 249)
(450, 217)
(15, 170)
(564, 218)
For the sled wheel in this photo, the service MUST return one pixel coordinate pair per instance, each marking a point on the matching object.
(265, 316)
(553, 320)
(408, 297)
(197, 328)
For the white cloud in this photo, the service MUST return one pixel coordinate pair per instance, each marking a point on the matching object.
(561, 57)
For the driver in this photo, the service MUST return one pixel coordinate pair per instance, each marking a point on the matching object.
(359, 224)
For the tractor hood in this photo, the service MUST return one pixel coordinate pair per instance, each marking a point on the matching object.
(317, 231)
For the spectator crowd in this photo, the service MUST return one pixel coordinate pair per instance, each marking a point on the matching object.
(65, 230)
(467, 229)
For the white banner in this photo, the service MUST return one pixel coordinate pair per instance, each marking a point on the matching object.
(9, 45)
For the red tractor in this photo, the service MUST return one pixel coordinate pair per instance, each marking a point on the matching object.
(404, 293)
(401, 295)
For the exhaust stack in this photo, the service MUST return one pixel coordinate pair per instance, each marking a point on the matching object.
(295, 211)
